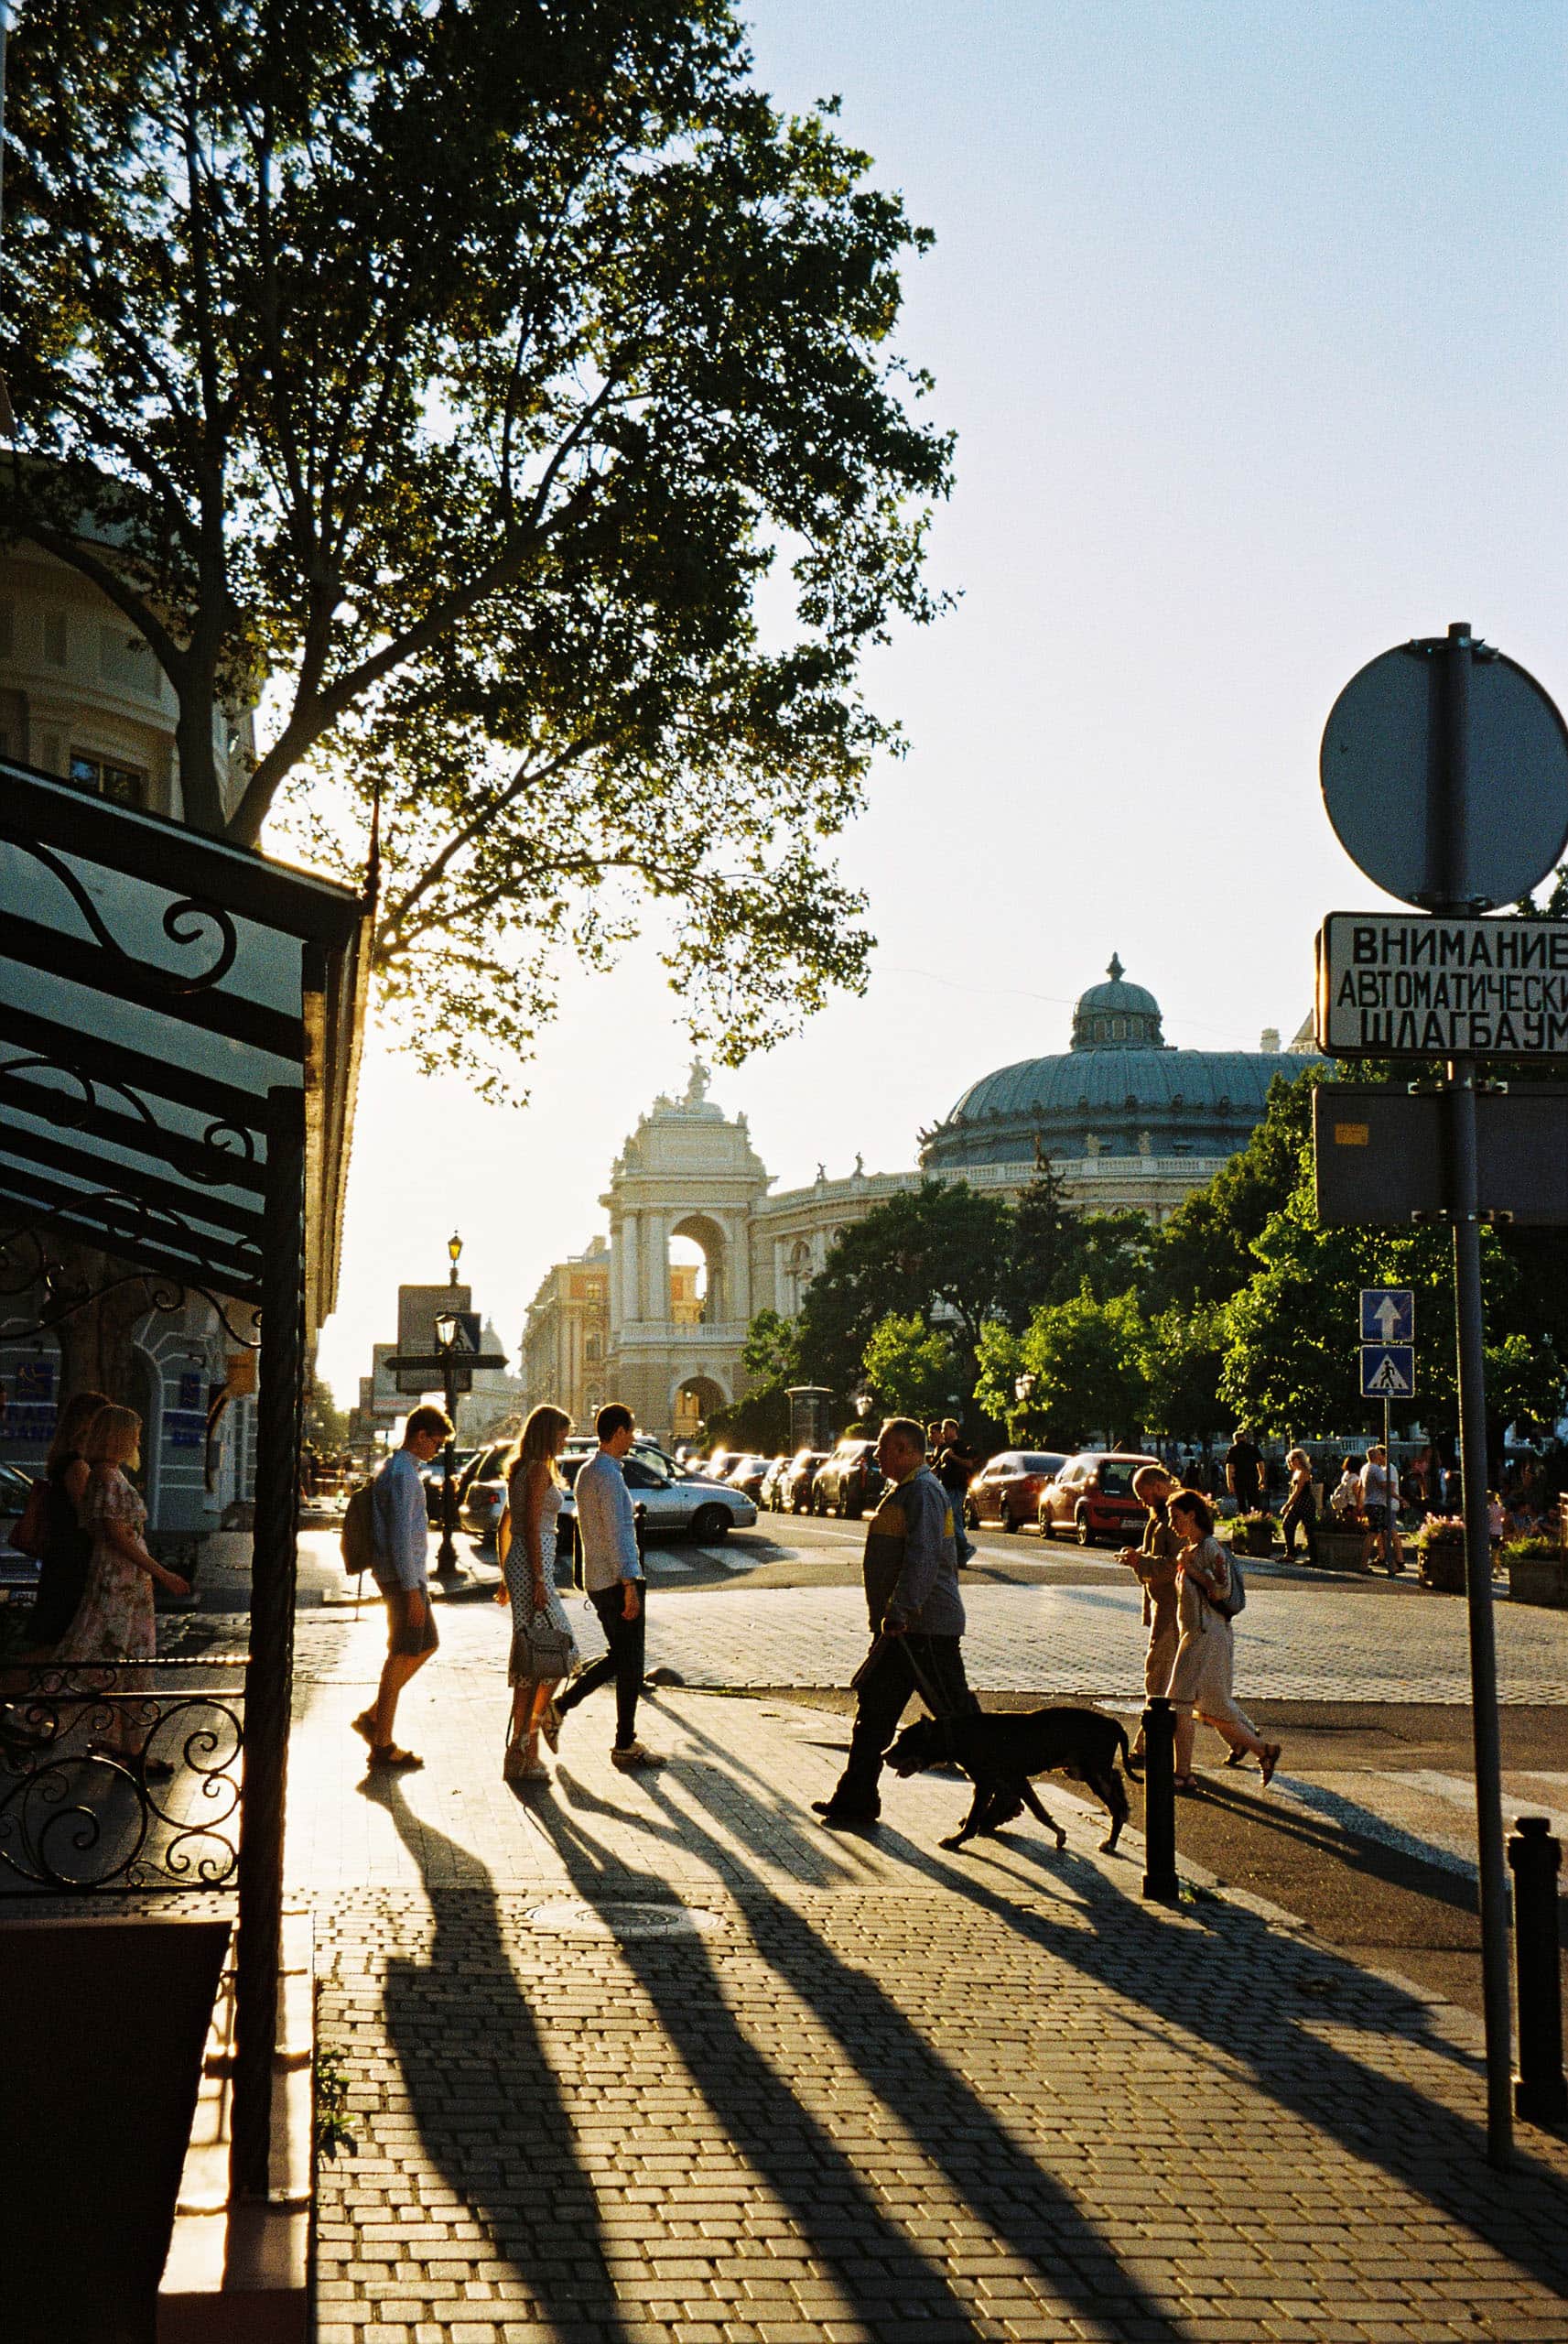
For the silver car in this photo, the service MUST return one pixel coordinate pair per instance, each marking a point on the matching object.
(673, 1501)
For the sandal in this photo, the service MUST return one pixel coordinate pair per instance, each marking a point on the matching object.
(1239, 1756)
(364, 1725)
(550, 1723)
(1185, 1784)
(1269, 1761)
(388, 1755)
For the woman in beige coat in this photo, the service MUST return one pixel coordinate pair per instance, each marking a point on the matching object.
(1206, 1657)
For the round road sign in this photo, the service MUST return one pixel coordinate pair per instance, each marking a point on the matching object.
(1381, 776)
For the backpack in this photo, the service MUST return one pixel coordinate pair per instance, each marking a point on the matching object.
(1236, 1599)
(356, 1542)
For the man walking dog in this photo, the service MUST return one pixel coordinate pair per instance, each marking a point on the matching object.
(911, 1574)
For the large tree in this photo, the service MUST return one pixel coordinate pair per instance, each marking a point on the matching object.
(509, 386)
(939, 1243)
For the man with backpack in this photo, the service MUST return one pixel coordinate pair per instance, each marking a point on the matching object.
(387, 1530)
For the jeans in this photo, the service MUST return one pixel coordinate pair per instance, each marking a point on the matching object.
(624, 1661)
(904, 1666)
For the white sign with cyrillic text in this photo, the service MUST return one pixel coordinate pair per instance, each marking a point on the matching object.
(1413, 985)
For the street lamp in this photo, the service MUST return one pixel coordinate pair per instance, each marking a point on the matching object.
(862, 1402)
(446, 1343)
(1024, 1387)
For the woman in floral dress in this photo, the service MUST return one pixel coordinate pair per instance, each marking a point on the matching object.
(115, 1621)
(1201, 1676)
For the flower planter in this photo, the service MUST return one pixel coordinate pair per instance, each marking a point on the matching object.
(1539, 1578)
(1253, 1541)
(1442, 1566)
(1342, 1550)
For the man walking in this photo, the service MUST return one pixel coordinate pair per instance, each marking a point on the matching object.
(955, 1466)
(1155, 1563)
(400, 1539)
(612, 1574)
(1244, 1472)
(1380, 1503)
(911, 1574)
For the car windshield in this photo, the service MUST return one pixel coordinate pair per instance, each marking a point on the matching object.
(1115, 1480)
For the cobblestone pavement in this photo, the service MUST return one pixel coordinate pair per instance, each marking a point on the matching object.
(656, 2058)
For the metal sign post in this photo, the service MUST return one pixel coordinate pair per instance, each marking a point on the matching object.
(1444, 773)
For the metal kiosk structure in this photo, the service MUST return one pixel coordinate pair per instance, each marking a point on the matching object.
(180, 1022)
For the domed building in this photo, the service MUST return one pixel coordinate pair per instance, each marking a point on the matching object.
(1127, 1118)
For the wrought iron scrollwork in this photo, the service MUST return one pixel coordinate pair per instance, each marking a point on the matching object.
(211, 1158)
(110, 1783)
(188, 922)
(28, 1263)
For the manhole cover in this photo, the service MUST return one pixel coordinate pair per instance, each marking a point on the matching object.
(570, 1916)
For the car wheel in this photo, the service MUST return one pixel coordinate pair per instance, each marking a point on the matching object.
(1085, 1527)
(709, 1522)
(842, 1507)
(1004, 1517)
(818, 1502)
(971, 1515)
(1047, 1527)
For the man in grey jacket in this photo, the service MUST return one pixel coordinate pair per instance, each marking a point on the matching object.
(612, 1574)
(911, 1573)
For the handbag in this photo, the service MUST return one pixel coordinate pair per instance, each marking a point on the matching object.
(551, 1649)
(30, 1535)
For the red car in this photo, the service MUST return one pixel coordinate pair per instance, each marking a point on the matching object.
(1092, 1496)
(1007, 1490)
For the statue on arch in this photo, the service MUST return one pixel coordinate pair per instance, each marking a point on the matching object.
(697, 1084)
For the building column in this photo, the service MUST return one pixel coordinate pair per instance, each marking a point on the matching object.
(631, 1286)
(659, 1267)
(737, 1245)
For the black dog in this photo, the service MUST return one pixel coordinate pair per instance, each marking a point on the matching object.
(999, 1751)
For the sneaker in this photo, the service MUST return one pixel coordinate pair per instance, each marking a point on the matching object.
(550, 1723)
(635, 1757)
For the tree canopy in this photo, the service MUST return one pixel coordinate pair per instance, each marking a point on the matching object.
(511, 387)
(940, 1243)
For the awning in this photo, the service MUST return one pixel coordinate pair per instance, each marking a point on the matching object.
(156, 986)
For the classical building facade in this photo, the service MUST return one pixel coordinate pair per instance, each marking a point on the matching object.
(1125, 1120)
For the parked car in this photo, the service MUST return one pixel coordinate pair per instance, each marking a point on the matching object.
(749, 1473)
(671, 1501)
(799, 1473)
(434, 1477)
(1006, 1488)
(15, 1487)
(848, 1481)
(771, 1496)
(481, 1492)
(1092, 1496)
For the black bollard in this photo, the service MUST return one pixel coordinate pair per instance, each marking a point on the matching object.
(1160, 1883)
(1540, 2095)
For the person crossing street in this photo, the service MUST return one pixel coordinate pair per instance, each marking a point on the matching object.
(612, 1574)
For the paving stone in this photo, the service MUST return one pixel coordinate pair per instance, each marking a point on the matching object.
(879, 2092)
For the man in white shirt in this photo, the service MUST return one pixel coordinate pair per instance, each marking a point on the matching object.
(401, 1539)
(612, 1574)
(1378, 1498)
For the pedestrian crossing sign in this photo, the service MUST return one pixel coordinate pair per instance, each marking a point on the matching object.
(1388, 1371)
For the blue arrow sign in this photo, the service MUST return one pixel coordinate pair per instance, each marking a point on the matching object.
(1388, 1371)
(1387, 1314)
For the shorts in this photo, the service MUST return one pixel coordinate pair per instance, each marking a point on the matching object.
(410, 1622)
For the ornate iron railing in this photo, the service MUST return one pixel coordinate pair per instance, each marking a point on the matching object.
(120, 1776)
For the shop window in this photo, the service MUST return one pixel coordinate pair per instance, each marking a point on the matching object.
(126, 785)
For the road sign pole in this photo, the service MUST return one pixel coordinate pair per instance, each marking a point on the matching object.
(1451, 824)
(1390, 1487)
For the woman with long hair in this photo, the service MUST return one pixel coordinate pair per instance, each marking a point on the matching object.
(115, 1620)
(67, 1548)
(1206, 1657)
(544, 1649)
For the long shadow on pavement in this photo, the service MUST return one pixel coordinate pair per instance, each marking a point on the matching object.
(508, 2151)
(1433, 2149)
(877, 2266)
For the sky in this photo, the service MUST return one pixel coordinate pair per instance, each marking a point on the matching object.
(1250, 323)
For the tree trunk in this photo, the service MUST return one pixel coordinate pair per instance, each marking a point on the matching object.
(202, 798)
(95, 1346)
